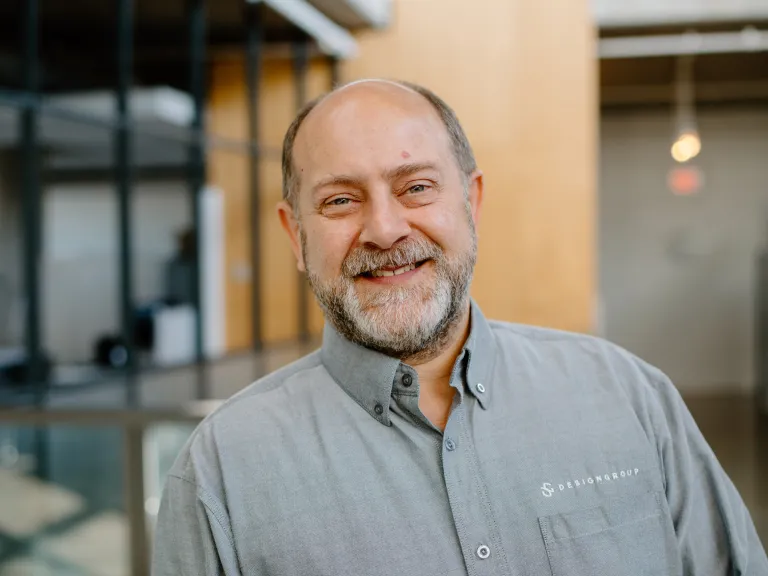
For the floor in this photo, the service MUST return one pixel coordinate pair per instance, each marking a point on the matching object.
(49, 526)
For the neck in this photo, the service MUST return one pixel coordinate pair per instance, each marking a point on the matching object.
(435, 391)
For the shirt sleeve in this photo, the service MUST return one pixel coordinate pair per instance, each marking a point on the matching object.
(716, 535)
(192, 537)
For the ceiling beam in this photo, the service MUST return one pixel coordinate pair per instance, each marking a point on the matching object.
(613, 14)
(665, 93)
(690, 43)
(357, 13)
(332, 39)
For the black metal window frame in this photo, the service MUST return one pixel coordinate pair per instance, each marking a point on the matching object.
(31, 105)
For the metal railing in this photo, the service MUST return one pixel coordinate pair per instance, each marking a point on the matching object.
(133, 425)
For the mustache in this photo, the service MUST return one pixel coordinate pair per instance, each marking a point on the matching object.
(365, 259)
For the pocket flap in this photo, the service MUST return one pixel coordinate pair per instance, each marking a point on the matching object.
(610, 514)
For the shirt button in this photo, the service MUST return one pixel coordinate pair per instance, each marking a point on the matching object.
(450, 445)
(483, 552)
(480, 388)
(379, 409)
(407, 380)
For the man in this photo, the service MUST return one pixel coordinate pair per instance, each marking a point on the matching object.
(423, 439)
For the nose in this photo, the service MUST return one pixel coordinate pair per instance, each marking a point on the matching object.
(385, 223)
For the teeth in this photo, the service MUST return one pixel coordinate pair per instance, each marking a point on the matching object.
(383, 273)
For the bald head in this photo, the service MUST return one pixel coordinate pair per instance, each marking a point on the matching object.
(374, 104)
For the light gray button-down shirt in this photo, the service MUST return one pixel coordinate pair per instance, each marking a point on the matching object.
(563, 455)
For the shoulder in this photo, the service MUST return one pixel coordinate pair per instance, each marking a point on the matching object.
(581, 368)
(585, 358)
(278, 395)
(272, 389)
(540, 340)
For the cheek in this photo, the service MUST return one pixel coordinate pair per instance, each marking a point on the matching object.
(446, 225)
(326, 248)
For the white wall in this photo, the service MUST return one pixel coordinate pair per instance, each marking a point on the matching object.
(80, 296)
(650, 12)
(677, 274)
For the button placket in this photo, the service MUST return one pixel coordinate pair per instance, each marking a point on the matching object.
(475, 527)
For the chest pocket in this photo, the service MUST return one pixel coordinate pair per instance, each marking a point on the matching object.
(621, 536)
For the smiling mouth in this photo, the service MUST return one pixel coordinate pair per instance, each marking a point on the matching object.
(386, 272)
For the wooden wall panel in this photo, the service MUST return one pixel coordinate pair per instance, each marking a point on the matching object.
(278, 271)
(230, 171)
(522, 77)
(280, 278)
(227, 117)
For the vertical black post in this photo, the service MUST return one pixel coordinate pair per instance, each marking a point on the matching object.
(32, 224)
(300, 66)
(255, 39)
(196, 163)
(32, 207)
(124, 184)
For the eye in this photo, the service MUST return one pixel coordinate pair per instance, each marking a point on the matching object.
(417, 188)
(338, 206)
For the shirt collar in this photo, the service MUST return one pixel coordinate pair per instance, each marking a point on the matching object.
(481, 357)
(368, 376)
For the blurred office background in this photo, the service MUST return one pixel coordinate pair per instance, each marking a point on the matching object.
(144, 277)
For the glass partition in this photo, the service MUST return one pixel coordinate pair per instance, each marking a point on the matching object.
(62, 507)
(82, 500)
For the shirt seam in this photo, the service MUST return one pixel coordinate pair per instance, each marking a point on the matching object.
(544, 335)
(652, 441)
(211, 503)
(265, 385)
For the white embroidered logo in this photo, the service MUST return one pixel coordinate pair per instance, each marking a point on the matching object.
(548, 490)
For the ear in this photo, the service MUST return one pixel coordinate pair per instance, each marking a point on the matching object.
(475, 195)
(291, 227)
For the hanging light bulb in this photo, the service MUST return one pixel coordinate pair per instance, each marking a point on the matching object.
(687, 144)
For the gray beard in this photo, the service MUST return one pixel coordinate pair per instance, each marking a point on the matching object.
(414, 323)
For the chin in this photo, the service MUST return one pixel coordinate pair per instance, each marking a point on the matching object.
(404, 308)
(404, 319)
(394, 299)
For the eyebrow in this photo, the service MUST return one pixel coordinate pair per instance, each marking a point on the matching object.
(349, 181)
(390, 174)
(408, 169)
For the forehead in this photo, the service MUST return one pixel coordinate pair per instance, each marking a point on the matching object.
(369, 127)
